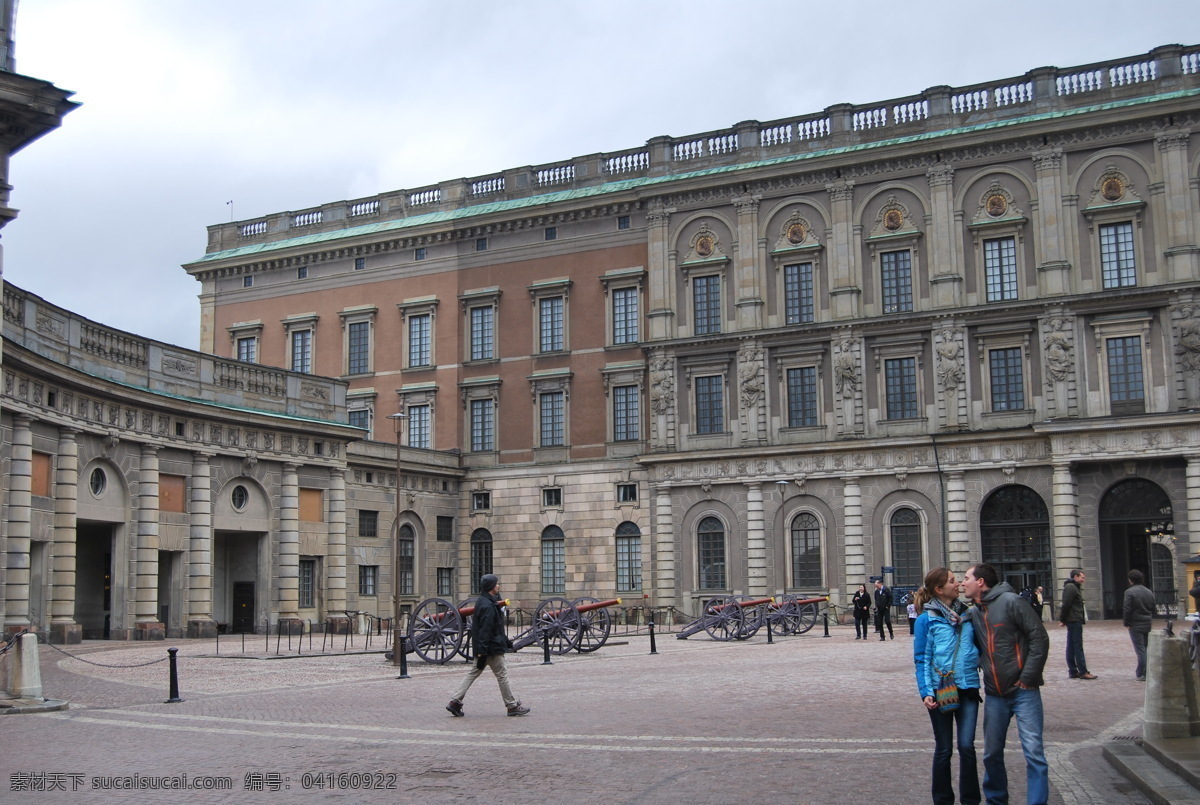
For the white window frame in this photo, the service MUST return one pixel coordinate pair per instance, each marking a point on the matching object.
(246, 330)
(1004, 337)
(623, 280)
(415, 396)
(789, 548)
(1121, 326)
(410, 310)
(893, 350)
(480, 298)
(540, 294)
(363, 315)
(292, 325)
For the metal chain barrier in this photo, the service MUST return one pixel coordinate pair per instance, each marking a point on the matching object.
(42, 639)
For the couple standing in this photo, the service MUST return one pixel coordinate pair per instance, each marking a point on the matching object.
(1002, 635)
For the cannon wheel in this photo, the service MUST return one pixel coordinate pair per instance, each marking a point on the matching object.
(435, 630)
(786, 617)
(805, 618)
(723, 618)
(560, 621)
(752, 618)
(465, 648)
(595, 625)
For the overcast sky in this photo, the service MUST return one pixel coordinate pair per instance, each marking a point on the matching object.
(287, 104)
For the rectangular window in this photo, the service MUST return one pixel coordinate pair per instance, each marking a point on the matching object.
(419, 253)
(900, 377)
(629, 564)
(897, 281)
(247, 282)
(627, 493)
(554, 566)
(405, 567)
(247, 349)
(802, 397)
(1008, 379)
(302, 273)
(550, 324)
(481, 501)
(360, 263)
(368, 523)
(552, 415)
(302, 351)
(445, 582)
(367, 577)
(551, 233)
(706, 304)
(482, 333)
(1125, 387)
(360, 418)
(625, 316)
(418, 340)
(40, 484)
(172, 492)
(358, 347)
(552, 498)
(312, 506)
(481, 244)
(622, 222)
(1116, 255)
(1000, 267)
(418, 426)
(483, 425)
(445, 529)
(627, 426)
(308, 583)
(710, 404)
(798, 293)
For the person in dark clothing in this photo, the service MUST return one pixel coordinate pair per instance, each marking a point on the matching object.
(1195, 591)
(1138, 611)
(1073, 615)
(491, 642)
(883, 609)
(862, 612)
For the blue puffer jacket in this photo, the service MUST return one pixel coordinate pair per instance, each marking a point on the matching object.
(933, 651)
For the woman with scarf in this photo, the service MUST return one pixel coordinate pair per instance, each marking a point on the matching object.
(944, 641)
(862, 612)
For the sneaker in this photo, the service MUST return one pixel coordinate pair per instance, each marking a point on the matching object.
(518, 710)
(455, 708)
(1088, 675)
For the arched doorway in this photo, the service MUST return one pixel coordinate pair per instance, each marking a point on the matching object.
(1130, 513)
(1014, 524)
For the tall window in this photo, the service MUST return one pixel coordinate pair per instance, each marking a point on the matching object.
(710, 553)
(302, 351)
(405, 560)
(552, 416)
(1125, 387)
(629, 557)
(806, 551)
(483, 333)
(247, 349)
(626, 414)
(706, 304)
(483, 425)
(710, 404)
(906, 547)
(481, 556)
(900, 378)
(368, 575)
(897, 281)
(368, 523)
(358, 347)
(554, 560)
(445, 582)
(625, 315)
(445, 528)
(418, 426)
(1008, 382)
(418, 340)
(308, 583)
(1116, 255)
(1000, 267)
(802, 397)
(550, 324)
(798, 293)
(360, 418)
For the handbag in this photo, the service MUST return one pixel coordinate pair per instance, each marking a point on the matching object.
(946, 694)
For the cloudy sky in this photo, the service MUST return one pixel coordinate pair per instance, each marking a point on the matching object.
(287, 104)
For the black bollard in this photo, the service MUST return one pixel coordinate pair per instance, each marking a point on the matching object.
(400, 650)
(546, 648)
(653, 650)
(770, 639)
(827, 623)
(174, 678)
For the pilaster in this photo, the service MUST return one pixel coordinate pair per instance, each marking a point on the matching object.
(958, 536)
(945, 261)
(1068, 550)
(664, 561)
(1052, 244)
(336, 547)
(145, 605)
(200, 550)
(661, 276)
(20, 510)
(748, 281)
(845, 287)
(288, 582)
(63, 628)
(856, 556)
(756, 542)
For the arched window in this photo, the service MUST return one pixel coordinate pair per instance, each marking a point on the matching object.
(1014, 525)
(481, 556)
(1162, 572)
(906, 547)
(710, 553)
(629, 557)
(554, 560)
(806, 551)
(405, 567)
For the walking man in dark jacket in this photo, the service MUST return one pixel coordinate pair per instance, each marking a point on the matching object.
(1138, 613)
(1013, 646)
(491, 642)
(1073, 615)
(883, 609)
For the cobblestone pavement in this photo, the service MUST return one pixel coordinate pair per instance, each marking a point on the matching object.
(807, 719)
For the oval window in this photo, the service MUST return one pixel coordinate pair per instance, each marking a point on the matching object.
(98, 482)
(240, 497)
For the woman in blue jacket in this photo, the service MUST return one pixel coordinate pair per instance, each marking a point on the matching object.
(943, 639)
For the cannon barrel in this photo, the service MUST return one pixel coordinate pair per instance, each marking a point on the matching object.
(754, 602)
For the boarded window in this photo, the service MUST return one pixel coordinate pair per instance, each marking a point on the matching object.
(172, 492)
(312, 506)
(41, 475)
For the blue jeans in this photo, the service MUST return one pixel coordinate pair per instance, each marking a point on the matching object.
(1076, 662)
(1139, 649)
(944, 725)
(998, 711)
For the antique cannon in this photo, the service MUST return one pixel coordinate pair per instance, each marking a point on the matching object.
(437, 630)
(740, 617)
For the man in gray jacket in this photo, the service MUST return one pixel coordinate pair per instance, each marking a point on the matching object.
(1073, 615)
(1139, 615)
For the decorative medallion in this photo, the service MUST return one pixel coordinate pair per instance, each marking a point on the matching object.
(795, 233)
(893, 219)
(996, 205)
(705, 246)
(1112, 188)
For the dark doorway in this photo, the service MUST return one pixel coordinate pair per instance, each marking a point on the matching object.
(243, 607)
(1130, 513)
(1015, 526)
(93, 580)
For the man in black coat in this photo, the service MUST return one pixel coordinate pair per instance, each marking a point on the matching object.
(491, 642)
(883, 609)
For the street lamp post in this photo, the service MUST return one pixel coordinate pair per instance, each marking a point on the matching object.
(397, 644)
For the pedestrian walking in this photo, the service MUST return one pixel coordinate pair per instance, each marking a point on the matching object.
(944, 642)
(1072, 614)
(912, 614)
(883, 609)
(862, 612)
(490, 643)
(1138, 616)
(1013, 646)
(1039, 602)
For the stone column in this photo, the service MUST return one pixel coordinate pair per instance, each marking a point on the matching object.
(335, 589)
(20, 509)
(288, 580)
(664, 549)
(1068, 550)
(200, 550)
(1183, 256)
(63, 628)
(1170, 703)
(945, 263)
(145, 603)
(845, 285)
(747, 281)
(1052, 241)
(1192, 475)
(958, 537)
(756, 542)
(660, 314)
(856, 557)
